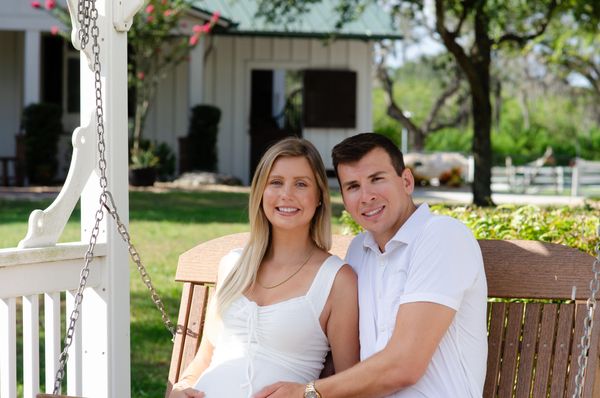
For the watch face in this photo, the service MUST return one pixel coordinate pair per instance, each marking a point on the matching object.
(310, 394)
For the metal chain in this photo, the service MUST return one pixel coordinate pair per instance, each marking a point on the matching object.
(588, 324)
(88, 15)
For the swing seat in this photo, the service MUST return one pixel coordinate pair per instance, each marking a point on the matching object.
(534, 325)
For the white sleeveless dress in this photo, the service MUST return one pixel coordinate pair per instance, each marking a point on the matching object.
(261, 345)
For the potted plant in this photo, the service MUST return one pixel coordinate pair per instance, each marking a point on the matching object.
(143, 167)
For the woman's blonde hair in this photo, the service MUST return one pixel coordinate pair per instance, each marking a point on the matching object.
(244, 272)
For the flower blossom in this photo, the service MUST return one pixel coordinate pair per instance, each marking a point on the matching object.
(141, 75)
(50, 4)
(149, 9)
(215, 17)
(54, 30)
(193, 40)
(36, 4)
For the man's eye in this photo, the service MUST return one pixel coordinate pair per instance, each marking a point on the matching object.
(351, 187)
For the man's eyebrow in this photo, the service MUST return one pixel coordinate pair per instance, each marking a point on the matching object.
(348, 183)
(377, 174)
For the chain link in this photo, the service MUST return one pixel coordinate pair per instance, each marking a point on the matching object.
(588, 324)
(88, 18)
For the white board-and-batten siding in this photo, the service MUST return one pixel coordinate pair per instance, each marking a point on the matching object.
(229, 62)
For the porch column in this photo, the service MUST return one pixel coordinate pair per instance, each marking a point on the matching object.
(196, 73)
(31, 76)
(105, 319)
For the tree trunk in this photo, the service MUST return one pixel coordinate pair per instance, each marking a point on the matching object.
(482, 110)
(482, 150)
(417, 140)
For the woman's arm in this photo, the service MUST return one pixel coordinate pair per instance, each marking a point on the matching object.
(342, 325)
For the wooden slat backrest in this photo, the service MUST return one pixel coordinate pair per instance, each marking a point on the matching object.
(533, 346)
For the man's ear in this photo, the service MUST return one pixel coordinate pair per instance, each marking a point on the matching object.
(408, 181)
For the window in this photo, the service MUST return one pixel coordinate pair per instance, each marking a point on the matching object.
(329, 98)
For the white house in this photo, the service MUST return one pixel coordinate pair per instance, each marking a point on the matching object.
(247, 67)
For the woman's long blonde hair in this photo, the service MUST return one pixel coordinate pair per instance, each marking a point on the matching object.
(244, 272)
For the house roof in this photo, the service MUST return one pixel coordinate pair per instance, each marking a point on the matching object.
(373, 24)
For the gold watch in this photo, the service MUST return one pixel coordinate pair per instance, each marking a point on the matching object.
(310, 391)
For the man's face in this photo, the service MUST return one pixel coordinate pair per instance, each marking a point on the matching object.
(375, 195)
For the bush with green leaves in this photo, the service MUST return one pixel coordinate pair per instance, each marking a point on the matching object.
(202, 137)
(43, 126)
(570, 226)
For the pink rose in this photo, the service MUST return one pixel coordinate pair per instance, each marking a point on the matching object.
(54, 30)
(197, 28)
(36, 4)
(168, 13)
(150, 18)
(206, 27)
(50, 4)
(215, 17)
(141, 75)
(193, 40)
(149, 9)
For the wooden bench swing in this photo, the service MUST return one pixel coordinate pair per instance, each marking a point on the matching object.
(533, 346)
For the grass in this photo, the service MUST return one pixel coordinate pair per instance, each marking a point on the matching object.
(162, 226)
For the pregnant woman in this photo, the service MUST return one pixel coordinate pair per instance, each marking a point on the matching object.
(282, 302)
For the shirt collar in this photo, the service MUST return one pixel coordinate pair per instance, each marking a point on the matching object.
(407, 232)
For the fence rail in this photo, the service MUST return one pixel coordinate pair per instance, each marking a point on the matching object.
(531, 179)
(25, 276)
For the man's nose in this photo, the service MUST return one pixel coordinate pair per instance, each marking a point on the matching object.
(366, 195)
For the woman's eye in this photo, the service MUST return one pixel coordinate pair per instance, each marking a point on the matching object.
(275, 182)
(301, 184)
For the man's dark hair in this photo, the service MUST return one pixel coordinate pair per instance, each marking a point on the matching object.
(354, 148)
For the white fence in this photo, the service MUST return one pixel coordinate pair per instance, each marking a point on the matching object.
(531, 179)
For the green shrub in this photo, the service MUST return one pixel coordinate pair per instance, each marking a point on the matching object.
(202, 137)
(43, 126)
(574, 227)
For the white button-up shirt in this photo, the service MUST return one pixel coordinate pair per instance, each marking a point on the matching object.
(430, 259)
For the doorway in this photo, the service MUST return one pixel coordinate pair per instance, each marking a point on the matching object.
(275, 109)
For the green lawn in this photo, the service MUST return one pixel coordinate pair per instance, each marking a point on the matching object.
(163, 225)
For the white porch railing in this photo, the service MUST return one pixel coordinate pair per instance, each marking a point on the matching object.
(40, 270)
(52, 275)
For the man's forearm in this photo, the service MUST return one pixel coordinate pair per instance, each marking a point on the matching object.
(377, 376)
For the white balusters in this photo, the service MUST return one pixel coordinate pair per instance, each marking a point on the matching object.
(52, 337)
(8, 348)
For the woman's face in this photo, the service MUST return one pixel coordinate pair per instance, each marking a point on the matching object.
(291, 195)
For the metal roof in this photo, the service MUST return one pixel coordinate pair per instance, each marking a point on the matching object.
(373, 24)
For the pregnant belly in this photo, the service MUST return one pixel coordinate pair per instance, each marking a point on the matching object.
(230, 379)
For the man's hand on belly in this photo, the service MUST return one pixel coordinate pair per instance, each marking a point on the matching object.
(282, 390)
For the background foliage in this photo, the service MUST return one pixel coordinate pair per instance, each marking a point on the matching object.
(571, 226)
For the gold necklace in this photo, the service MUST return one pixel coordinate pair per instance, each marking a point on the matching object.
(289, 277)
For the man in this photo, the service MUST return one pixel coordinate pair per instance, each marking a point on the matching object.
(422, 288)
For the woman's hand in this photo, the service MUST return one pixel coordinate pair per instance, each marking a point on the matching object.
(183, 390)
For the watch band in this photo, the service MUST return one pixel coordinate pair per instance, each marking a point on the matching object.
(310, 391)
